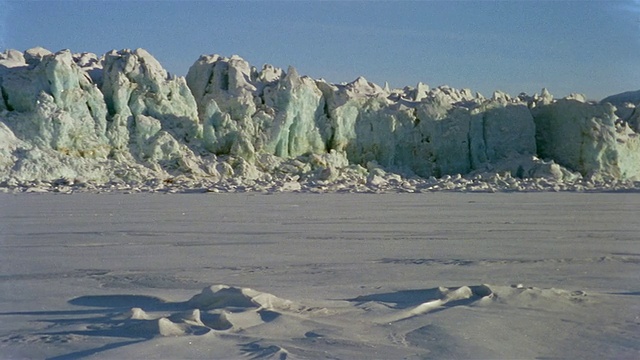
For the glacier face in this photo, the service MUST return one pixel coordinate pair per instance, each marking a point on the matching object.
(121, 117)
(418, 131)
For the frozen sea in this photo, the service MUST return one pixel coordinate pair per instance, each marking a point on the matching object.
(438, 275)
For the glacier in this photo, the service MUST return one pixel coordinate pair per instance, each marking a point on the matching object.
(72, 121)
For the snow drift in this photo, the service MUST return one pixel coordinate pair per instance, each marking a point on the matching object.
(121, 119)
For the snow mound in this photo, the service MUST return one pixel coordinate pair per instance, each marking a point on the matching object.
(223, 296)
(411, 303)
(261, 325)
(218, 308)
(142, 325)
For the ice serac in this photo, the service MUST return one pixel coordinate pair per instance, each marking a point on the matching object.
(300, 125)
(627, 107)
(343, 107)
(224, 91)
(152, 117)
(54, 104)
(589, 138)
(245, 111)
(53, 114)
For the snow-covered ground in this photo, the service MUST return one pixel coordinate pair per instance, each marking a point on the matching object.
(338, 276)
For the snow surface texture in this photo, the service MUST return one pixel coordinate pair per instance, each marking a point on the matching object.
(331, 276)
(121, 121)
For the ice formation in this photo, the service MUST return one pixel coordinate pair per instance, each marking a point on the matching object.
(112, 121)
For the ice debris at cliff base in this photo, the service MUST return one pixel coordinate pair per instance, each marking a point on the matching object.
(121, 122)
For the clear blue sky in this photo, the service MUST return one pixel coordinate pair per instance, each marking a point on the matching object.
(591, 47)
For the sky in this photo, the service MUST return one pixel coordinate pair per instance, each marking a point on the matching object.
(589, 47)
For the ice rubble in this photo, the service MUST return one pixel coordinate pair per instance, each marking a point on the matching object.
(120, 121)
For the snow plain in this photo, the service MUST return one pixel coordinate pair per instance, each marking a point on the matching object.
(351, 276)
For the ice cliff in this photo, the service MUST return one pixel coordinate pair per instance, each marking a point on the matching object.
(121, 118)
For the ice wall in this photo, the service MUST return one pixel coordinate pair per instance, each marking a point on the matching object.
(430, 133)
(121, 117)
